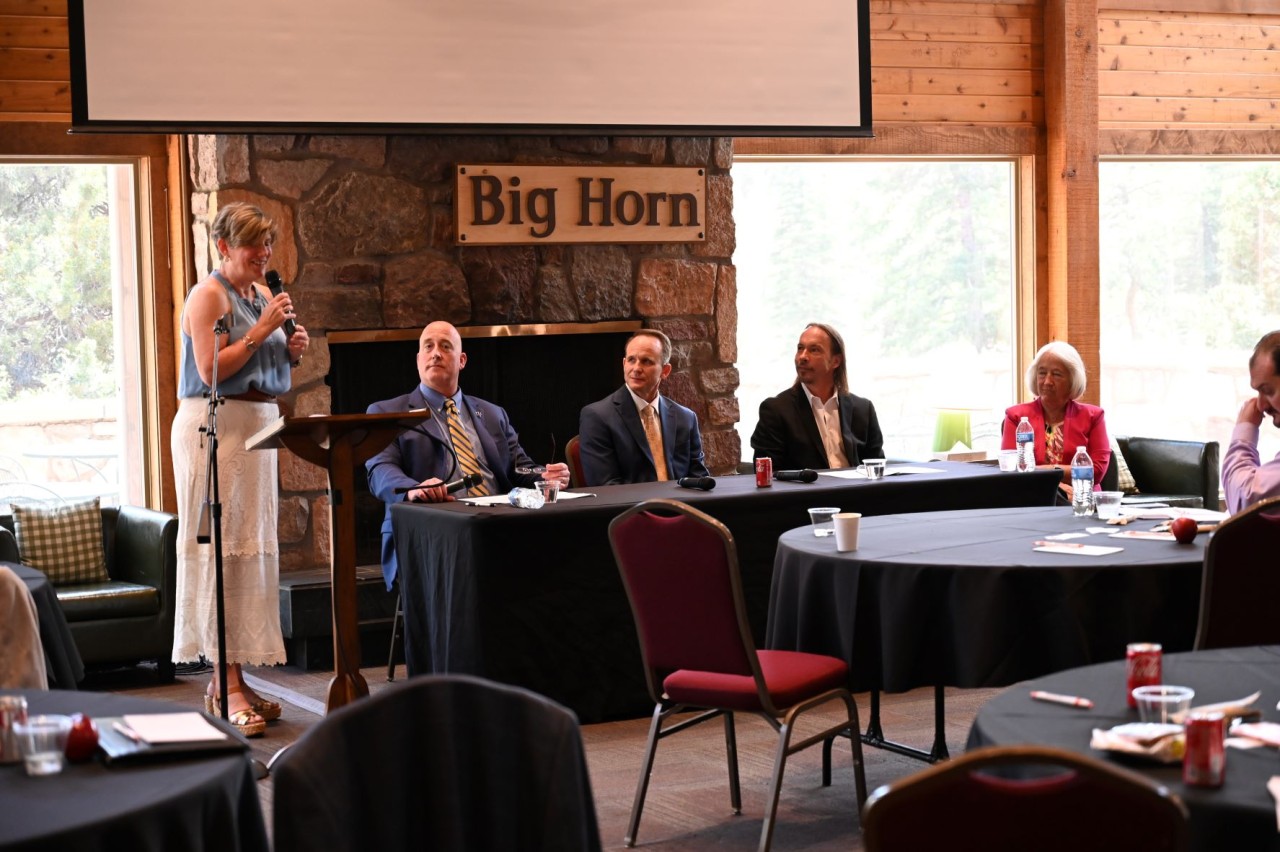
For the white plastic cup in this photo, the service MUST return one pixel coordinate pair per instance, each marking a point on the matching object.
(1009, 460)
(550, 489)
(1108, 503)
(847, 524)
(873, 468)
(41, 739)
(821, 520)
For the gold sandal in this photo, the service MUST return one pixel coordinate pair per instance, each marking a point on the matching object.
(246, 721)
(268, 710)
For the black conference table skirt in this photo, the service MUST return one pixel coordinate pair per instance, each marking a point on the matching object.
(62, 657)
(190, 803)
(1239, 815)
(960, 598)
(533, 598)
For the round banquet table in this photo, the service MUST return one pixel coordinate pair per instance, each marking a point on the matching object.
(962, 598)
(208, 802)
(1238, 815)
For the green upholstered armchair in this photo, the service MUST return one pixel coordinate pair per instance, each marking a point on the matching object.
(1176, 473)
(129, 617)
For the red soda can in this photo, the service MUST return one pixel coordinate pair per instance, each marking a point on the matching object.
(1205, 763)
(13, 708)
(1142, 667)
(764, 472)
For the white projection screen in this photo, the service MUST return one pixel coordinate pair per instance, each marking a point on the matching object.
(686, 67)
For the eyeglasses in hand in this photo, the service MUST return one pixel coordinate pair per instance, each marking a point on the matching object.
(533, 467)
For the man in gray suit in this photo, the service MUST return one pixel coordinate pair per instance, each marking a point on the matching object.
(635, 434)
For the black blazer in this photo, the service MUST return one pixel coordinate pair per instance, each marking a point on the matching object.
(788, 433)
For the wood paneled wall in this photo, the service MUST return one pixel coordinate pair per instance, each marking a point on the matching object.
(1188, 70)
(35, 68)
(957, 61)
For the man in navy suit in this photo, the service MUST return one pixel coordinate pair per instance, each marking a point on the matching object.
(817, 423)
(437, 450)
(614, 441)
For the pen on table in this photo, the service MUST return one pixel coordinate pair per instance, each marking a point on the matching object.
(1058, 544)
(127, 731)
(1055, 698)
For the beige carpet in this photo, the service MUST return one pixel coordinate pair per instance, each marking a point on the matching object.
(688, 802)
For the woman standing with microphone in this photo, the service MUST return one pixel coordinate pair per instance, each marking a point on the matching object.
(254, 360)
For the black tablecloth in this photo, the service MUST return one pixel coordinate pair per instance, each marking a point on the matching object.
(1239, 815)
(62, 658)
(533, 598)
(189, 804)
(961, 598)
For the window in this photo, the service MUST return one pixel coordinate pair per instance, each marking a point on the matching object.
(913, 261)
(1190, 279)
(70, 351)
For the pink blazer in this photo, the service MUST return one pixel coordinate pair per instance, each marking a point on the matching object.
(1082, 424)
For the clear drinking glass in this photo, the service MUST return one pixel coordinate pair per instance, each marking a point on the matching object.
(823, 520)
(41, 739)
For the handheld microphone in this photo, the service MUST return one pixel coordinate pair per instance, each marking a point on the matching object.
(805, 475)
(471, 480)
(276, 286)
(702, 483)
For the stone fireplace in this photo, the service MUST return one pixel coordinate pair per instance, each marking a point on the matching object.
(367, 244)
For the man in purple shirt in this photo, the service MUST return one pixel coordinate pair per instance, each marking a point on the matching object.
(1244, 478)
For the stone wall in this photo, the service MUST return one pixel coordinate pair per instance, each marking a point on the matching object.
(367, 242)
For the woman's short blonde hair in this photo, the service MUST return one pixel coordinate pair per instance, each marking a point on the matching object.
(1067, 354)
(243, 224)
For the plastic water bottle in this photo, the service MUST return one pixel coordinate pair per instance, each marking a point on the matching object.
(1026, 438)
(1081, 483)
(526, 498)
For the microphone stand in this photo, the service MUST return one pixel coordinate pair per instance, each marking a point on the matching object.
(212, 508)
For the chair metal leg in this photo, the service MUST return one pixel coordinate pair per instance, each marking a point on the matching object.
(642, 786)
(785, 749)
(395, 630)
(731, 748)
(775, 784)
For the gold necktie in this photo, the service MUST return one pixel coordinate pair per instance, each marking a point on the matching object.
(654, 434)
(463, 447)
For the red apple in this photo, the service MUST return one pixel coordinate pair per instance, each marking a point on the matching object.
(82, 739)
(1184, 529)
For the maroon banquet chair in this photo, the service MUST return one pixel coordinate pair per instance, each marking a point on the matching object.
(680, 569)
(573, 458)
(1239, 587)
(1071, 803)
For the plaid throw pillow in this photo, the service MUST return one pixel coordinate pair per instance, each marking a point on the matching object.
(65, 542)
(1124, 480)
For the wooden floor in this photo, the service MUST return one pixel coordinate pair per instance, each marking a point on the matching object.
(688, 801)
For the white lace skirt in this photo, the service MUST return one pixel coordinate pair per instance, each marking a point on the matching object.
(250, 549)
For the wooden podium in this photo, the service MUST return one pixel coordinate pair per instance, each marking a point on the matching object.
(337, 443)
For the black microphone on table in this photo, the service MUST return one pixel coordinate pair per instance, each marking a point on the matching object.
(471, 480)
(805, 475)
(702, 483)
(276, 286)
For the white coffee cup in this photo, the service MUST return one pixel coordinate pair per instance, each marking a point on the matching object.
(873, 468)
(847, 524)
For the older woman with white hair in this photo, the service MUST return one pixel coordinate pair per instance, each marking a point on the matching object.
(1056, 379)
